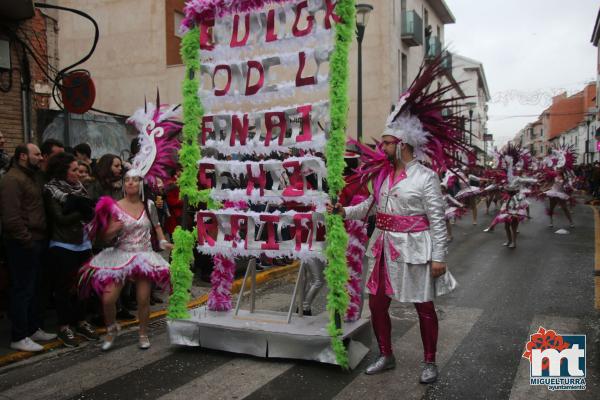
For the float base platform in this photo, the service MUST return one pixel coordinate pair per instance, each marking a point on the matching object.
(267, 334)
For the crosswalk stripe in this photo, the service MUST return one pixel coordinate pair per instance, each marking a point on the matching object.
(88, 374)
(250, 374)
(403, 381)
(521, 388)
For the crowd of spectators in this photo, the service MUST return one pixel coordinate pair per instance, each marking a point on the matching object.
(47, 195)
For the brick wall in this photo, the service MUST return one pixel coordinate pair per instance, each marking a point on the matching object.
(568, 112)
(33, 32)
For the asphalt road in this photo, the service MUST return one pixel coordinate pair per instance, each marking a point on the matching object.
(503, 297)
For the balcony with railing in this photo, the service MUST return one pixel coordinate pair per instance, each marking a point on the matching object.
(433, 47)
(412, 29)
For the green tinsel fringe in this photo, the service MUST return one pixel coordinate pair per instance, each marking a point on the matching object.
(336, 272)
(181, 275)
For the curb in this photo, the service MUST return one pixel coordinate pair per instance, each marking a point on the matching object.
(261, 278)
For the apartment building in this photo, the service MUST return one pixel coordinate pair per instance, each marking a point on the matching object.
(400, 34)
(568, 120)
(138, 52)
(474, 109)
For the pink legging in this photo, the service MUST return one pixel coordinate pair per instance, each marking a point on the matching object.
(379, 305)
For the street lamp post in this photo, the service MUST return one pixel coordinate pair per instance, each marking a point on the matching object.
(587, 141)
(362, 18)
(471, 106)
(471, 127)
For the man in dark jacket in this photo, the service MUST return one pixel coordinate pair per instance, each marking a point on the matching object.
(24, 230)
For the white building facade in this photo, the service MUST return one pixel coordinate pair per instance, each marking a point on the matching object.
(475, 108)
(576, 137)
(399, 36)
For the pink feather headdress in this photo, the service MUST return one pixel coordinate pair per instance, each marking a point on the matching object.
(563, 156)
(418, 120)
(510, 159)
(159, 142)
(513, 156)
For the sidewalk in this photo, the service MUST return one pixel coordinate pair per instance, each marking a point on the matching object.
(199, 292)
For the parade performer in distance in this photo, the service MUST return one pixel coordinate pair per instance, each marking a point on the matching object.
(512, 212)
(468, 194)
(407, 250)
(557, 172)
(453, 209)
(525, 191)
(131, 224)
(514, 208)
(491, 191)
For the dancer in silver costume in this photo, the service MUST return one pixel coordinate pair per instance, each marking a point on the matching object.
(407, 250)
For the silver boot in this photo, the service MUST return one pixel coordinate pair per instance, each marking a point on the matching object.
(112, 331)
(383, 363)
(430, 373)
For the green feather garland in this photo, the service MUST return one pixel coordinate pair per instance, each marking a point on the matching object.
(336, 273)
(192, 118)
(181, 275)
(182, 254)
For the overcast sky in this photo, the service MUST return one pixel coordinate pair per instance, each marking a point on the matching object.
(530, 50)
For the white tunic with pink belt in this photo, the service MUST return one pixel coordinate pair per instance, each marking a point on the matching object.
(410, 233)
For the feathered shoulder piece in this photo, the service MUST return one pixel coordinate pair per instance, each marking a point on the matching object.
(423, 117)
(106, 208)
(159, 141)
(374, 166)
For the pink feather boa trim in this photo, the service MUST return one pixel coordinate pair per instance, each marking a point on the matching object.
(357, 238)
(221, 279)
(98, 279)
(504, 217)
(197, 11)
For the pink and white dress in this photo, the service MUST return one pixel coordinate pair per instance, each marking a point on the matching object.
(558, 190)
(513, 208)
(467, 191)
(131, 257)
(454, 208)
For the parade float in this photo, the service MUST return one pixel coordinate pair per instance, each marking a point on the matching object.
(265, 106)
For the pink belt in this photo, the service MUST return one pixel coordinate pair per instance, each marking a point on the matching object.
(401, 223)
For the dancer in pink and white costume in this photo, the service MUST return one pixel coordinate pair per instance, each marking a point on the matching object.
(557, 172)
(128, 224)
(513, 188)
(468, 194)
(512, 212)
(454, 209)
